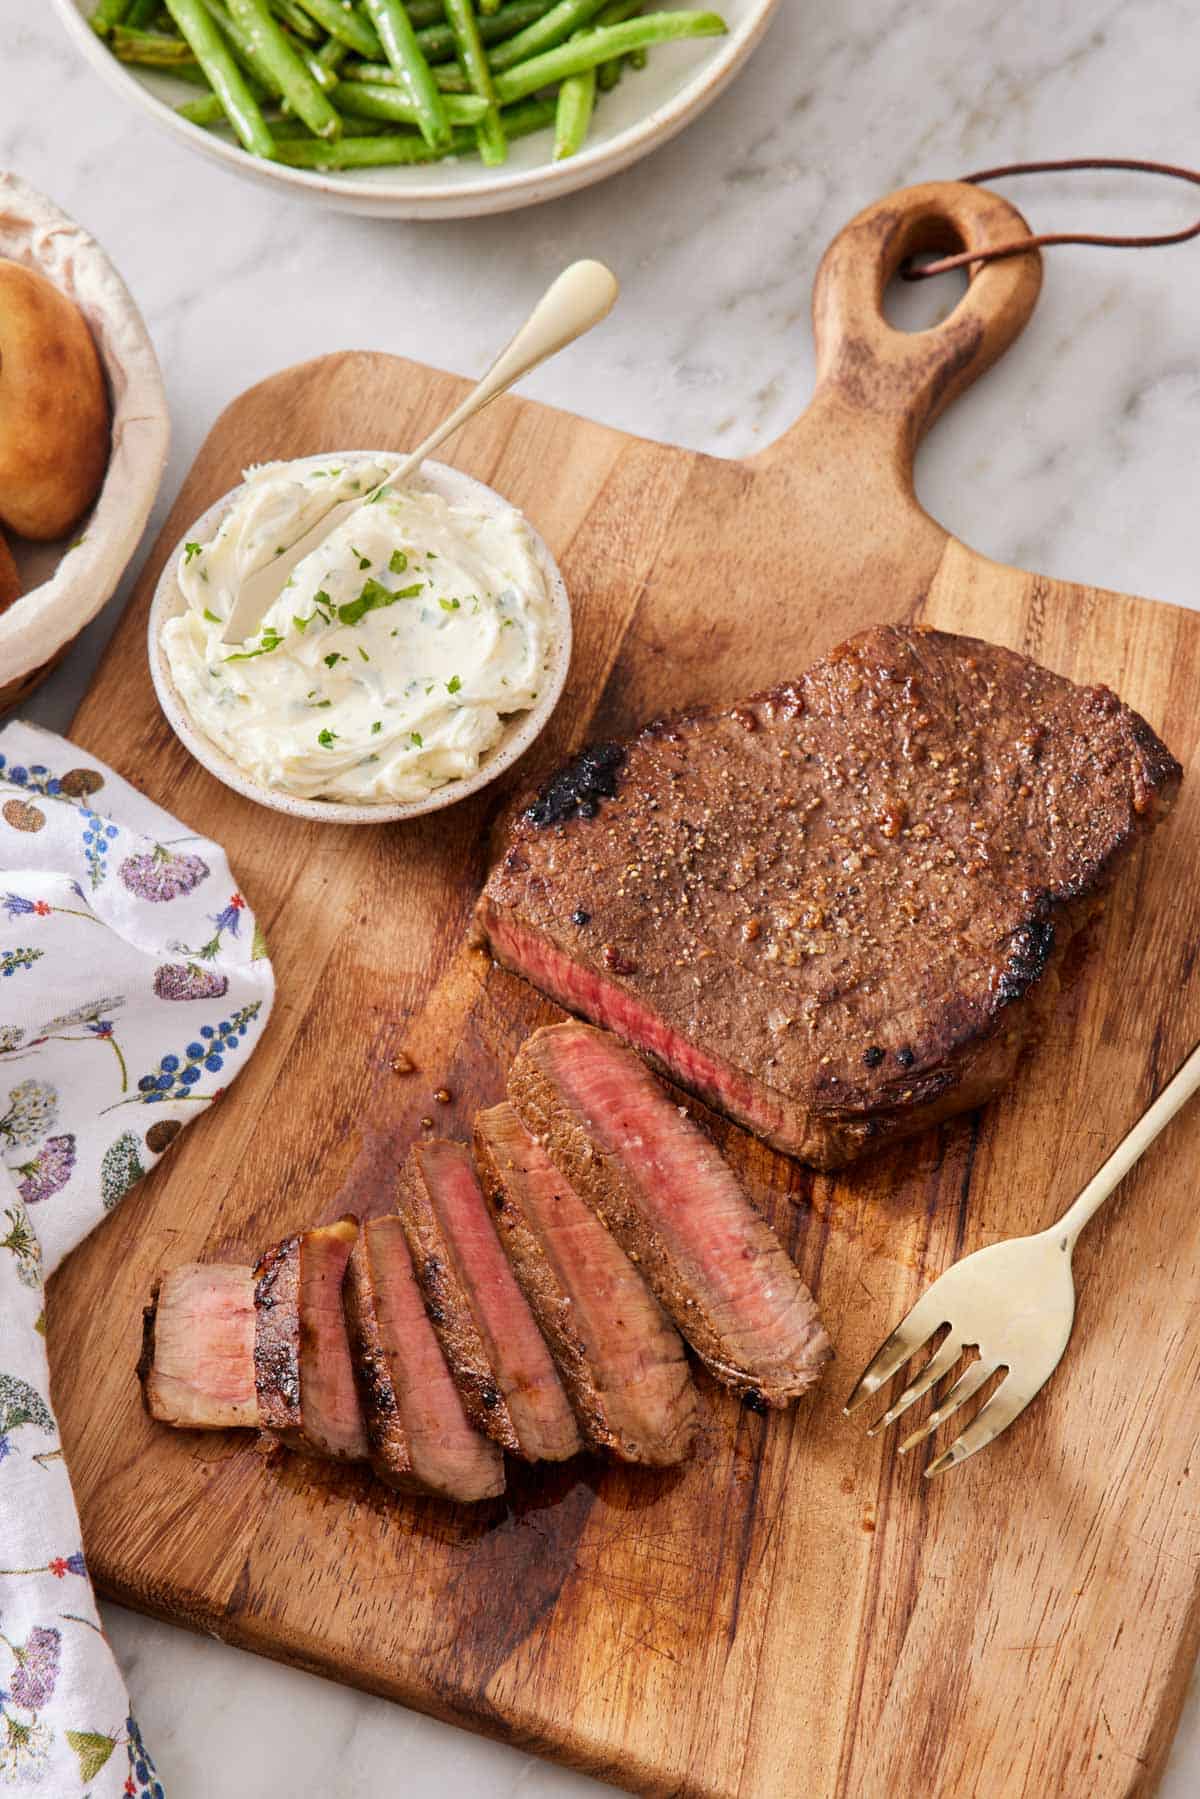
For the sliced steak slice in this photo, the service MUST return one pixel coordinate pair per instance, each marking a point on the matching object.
(497, 1354)
(197, 1366)
(306, 1391)
(415, 1413)
(835, 910)
(673, 1203)
(621, 1362)
(387, 1439)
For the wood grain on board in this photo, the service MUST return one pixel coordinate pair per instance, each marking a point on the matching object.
(796, 1611)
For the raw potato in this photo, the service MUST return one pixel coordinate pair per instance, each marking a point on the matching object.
(54, 424)
(10, 580)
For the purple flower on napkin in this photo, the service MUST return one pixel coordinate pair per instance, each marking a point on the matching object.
(160, 874)
(49, 1171)
(185, 980)
(32, 1685)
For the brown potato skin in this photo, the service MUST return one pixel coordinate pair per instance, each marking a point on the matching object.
(54, 417)
(10, 580)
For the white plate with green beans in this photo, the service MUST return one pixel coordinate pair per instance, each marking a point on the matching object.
(420, 108)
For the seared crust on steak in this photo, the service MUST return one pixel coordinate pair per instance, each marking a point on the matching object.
(277, 1341)
(836, 910)
(659, 1184)
(303, 1374)
(620, 1360)
(446, 1299)
(387, 1440)
(500, 1363)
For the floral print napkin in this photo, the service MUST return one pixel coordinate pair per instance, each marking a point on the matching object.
(133, 986)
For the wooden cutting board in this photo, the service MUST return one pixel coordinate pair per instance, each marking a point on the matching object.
(797, 1611)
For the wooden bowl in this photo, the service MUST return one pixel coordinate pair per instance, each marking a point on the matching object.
(66, 584)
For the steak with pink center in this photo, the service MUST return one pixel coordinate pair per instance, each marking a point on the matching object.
(499, 1359)
(661, 1186)
(447, 1455)
(621, 1361)
(836, 910)
(305, 1380)
(197, 1366)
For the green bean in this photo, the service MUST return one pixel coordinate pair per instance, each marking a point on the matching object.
(207, 110)
(143, 12)
(528, 116)
(243, 47)
(609, 73)
(572, 120)
(359, 99)
(214, 56)
(108, 13)
(155, 49)
(332, 55)
(637, 59)
(437, 41)
(297, 21)
(194, 75)
(325, 76)
(489, 132)
(595, 47)
(577, 95)
(362, 152)
(347, 24)
(407, 146)
(449, 77)
(554, 27)
(281, 63)
(400, 45)
(488, 7)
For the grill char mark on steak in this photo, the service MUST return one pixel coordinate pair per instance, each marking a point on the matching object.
(303, 1372)
(891, 853)
(503, 1369)
(197, 1365)
(619, 1357)
(277, 1340)
(445, 1453)
(387, 1440)
(675, 1206)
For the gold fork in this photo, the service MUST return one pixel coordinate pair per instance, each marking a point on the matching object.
(1013, 1301)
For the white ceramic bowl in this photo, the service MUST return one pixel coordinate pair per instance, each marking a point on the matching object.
(645, 110)
(519, 731)
(65, 584)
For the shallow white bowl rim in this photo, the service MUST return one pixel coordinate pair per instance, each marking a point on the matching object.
(526, 186)
(519, 733)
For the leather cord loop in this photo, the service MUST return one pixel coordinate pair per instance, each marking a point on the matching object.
(914, 271)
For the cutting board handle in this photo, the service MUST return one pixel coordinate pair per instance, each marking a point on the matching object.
(903, 379)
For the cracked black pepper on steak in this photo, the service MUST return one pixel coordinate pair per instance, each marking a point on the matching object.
(888, 854)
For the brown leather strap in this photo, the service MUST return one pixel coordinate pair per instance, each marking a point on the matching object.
(921, 271)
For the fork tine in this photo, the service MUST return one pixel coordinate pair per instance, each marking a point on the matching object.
(941, 1362)
(912, 1333)
(966, 1384)
(1005, 1404)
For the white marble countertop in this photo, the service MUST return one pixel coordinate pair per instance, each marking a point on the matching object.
(1076, 458)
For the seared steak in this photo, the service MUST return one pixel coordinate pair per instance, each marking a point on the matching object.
(834, 910)
(305, 1381)
(504, 1371)
(620, 1360)
(197, 1366)
(410, 1395)
(672, 1202)
(387, 1440)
